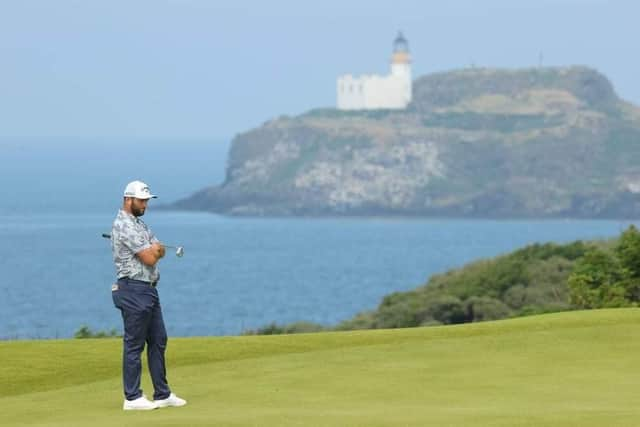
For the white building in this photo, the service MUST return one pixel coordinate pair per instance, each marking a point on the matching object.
(370, 92)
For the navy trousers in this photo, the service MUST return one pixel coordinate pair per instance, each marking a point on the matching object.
(142, 316)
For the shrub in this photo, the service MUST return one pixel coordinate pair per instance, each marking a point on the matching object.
(292, 328)
(445, 309)
(628, 251)
(596, 280)
(364, 320)
(398, 310)
(486, 308)
(516, 296)
(303, 328)
(609, 278)
(86, 332)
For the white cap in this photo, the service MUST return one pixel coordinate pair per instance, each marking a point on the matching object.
(138, 190)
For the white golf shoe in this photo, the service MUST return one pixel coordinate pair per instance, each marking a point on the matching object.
(139, 404)
(172, 400)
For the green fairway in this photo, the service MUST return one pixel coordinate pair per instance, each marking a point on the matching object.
(565, 369)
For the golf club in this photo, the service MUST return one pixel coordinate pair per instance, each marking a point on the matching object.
(179, 249)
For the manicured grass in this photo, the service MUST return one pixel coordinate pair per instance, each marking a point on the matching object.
(565, 369)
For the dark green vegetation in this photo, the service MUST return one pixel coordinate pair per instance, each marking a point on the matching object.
(539, 142)
(86, 332)
(604, 278)
(539, 278)
(530, 280)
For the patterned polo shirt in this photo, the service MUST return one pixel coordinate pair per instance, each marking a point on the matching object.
(130, 235)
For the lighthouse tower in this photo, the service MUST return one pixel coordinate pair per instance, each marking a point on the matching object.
(373, 92)
(401, 66)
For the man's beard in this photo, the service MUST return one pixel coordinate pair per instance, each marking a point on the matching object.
(137, 211)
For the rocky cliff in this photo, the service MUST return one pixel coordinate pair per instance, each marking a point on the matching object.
(543, 142)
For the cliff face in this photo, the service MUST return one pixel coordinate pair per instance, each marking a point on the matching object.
(477, 142)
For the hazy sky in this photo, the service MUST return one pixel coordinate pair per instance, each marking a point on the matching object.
(196, 69)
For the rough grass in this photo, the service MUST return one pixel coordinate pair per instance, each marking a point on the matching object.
(565, 369)
(533, 101)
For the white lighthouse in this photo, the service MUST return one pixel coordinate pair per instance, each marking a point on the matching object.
(371, 92)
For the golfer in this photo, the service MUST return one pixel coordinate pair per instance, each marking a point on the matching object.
(136, 252)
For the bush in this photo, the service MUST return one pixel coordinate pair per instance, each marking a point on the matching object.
(303, 328)
(537, 251)
(548, 281)
(485, 308)
(516, 296)
(609, 278)
(530, 310)
(86, 332)
(398, 310)
(270, 329)
(628, 251)
(443, 309)
(364, 320)
(596, 280)
(292, 328)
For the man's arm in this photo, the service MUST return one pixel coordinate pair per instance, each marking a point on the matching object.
(152, 254)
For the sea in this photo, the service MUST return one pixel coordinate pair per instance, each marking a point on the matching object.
(237, 274)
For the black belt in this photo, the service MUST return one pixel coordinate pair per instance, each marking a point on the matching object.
(138, 282)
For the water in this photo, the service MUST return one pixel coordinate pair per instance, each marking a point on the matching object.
(237, 273)
(89, 176)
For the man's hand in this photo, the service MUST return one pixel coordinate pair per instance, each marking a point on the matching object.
(160, 249)
(152, 255)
